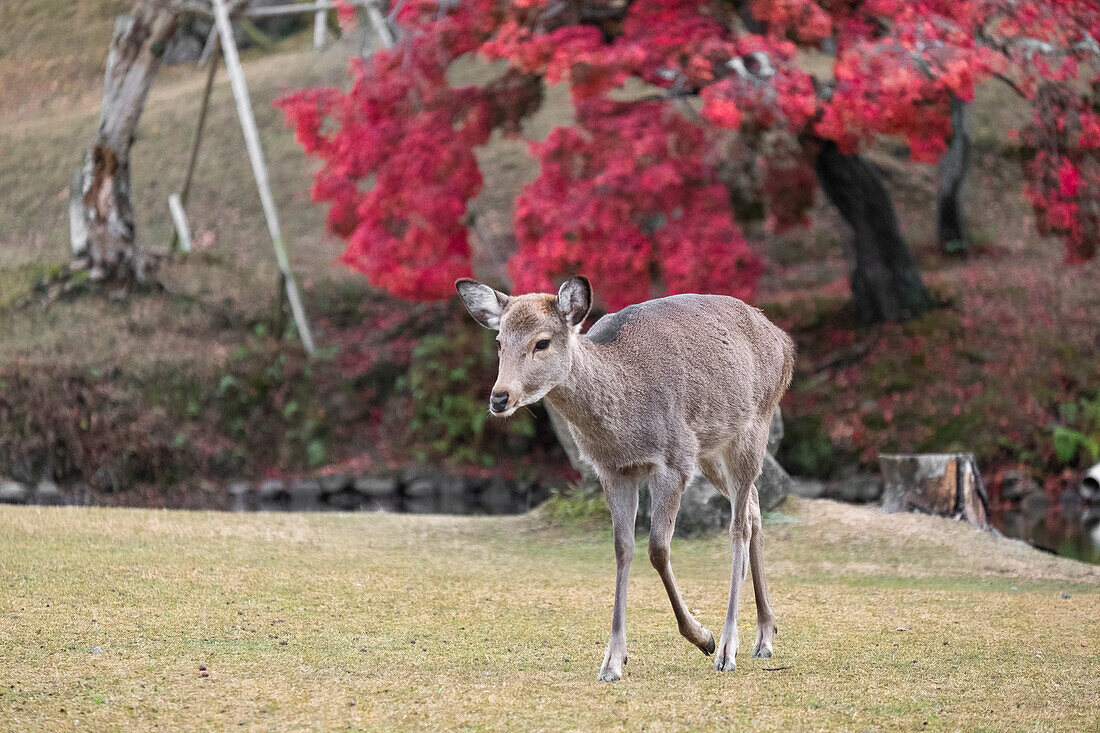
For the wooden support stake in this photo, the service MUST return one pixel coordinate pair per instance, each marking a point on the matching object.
(320, 29)
(259, 167)
(209, 47)
(381, 27)
(181, 235)
(269, 11)
(197, 139)
(279, 320)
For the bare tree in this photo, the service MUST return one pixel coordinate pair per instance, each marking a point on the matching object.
(101, 216)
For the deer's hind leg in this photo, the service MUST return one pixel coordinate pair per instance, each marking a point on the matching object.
(765, 618)
(733, 471)
(666, 486)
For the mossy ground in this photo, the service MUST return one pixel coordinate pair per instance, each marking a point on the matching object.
(412, 622)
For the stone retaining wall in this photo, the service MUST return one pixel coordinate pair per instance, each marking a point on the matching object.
(416, 491)
(423, 490)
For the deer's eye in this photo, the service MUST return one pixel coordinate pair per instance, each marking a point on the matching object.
(499, 345)
(542, 344)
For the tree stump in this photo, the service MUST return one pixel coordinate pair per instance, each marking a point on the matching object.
(947, 484)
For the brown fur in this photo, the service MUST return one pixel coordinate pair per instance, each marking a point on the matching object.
(651, 392)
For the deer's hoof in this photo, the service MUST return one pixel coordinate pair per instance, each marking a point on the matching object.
(725, 665)
(762, 651)
(609, 675)
(708, 647)
(724, 660)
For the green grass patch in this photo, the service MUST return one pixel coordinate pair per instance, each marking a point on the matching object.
(576, 508)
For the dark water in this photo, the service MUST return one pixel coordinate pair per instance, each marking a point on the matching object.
(1067, 528)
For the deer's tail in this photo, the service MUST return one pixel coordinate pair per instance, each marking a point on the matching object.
(788, 363)
(786, 344)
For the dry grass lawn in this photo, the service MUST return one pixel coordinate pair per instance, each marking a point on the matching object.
(368, 621)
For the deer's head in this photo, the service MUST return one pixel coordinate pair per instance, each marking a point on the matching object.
(536, 340)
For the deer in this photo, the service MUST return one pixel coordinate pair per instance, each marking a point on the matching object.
(649, 392)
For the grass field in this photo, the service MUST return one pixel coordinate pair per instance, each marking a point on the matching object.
(390, 621)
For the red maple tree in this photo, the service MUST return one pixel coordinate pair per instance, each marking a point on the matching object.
(645, 194)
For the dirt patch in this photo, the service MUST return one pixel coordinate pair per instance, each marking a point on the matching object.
(946, 545)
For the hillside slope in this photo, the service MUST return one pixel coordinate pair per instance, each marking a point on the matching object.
(1009, 356)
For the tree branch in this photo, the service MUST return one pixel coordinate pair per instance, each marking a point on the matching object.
(1011, 85)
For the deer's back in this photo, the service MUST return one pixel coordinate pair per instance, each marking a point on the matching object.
(711, 358)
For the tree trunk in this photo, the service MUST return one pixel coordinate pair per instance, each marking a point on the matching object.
(101, 217)
(953, 170)
(744, 12)
(886, 283)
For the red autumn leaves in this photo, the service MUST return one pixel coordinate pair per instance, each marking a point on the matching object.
(637, 193)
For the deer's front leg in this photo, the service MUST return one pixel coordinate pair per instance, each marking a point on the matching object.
(622, 500)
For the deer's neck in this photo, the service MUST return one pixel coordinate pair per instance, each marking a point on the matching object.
(589, 395)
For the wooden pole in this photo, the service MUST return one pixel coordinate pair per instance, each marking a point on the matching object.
(181, 235)
(212, 67)
(209, 47)
(259, 167)
(381, 27)
(279, 319)
(320, 7)
(268, 11)
(320, 28)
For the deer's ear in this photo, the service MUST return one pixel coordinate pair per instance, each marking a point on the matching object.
(575, 300)
(484, 303)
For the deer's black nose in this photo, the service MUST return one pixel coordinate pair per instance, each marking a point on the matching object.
(498, 402)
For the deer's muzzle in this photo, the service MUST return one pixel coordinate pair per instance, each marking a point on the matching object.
(498, 402)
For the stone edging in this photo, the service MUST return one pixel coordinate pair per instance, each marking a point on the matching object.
(417, 491)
